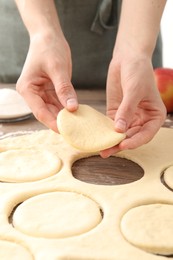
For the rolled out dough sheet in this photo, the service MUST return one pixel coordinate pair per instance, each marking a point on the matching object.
(60, 218)
(168, 177)
(87, 129)
(13, 251)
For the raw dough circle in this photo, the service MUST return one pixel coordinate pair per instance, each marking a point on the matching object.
(168, 177)
(10, 250)
(12, 105)
(150, 227)
(24, 165)
(57, 215)
(87, 129)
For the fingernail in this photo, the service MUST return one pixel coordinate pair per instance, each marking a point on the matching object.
(121, 125)
(72, 104)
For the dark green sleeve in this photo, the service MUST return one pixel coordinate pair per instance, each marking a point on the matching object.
(14, 42)
(90, 27)
(157, 55)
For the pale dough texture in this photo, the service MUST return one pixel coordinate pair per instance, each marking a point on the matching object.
(57, 215)
(13, 251)
(60, 217)
(150, 227)
(28, 165)
(12, 105)
(168, 177)
(87, 129)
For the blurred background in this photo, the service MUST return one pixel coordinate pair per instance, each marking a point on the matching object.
(167, 34)
(14, 42)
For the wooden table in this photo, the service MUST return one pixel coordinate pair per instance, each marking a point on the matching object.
(111, 171)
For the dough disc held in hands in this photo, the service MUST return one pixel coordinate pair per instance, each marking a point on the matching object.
(87, 129)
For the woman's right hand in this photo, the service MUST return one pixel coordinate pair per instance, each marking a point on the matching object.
(45, 81)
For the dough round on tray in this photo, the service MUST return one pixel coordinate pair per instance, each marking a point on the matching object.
(150, 227)
(168, 177)
(57, 215)
(12, 105)
(25, 165)
(10, 250)
(87, 129)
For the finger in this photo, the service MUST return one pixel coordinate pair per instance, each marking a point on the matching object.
(143, 136)
(41, 111)
(136, 137)
(126, 111)
(113, 90)
(110, 151)
(65, 91)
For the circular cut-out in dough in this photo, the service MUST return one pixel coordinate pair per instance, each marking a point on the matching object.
(150, 227)
(109, 171)
(57, 215)
(12, 104)
(14, 251)
(25, 165)
(87, 129)
(168, 177)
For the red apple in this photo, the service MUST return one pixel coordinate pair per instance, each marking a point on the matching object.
(164, 82)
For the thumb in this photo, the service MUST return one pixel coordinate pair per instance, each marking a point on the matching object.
(65, 91)
(125, 113)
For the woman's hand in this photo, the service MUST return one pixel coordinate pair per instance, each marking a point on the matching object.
(133, 100)
(45, 81)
